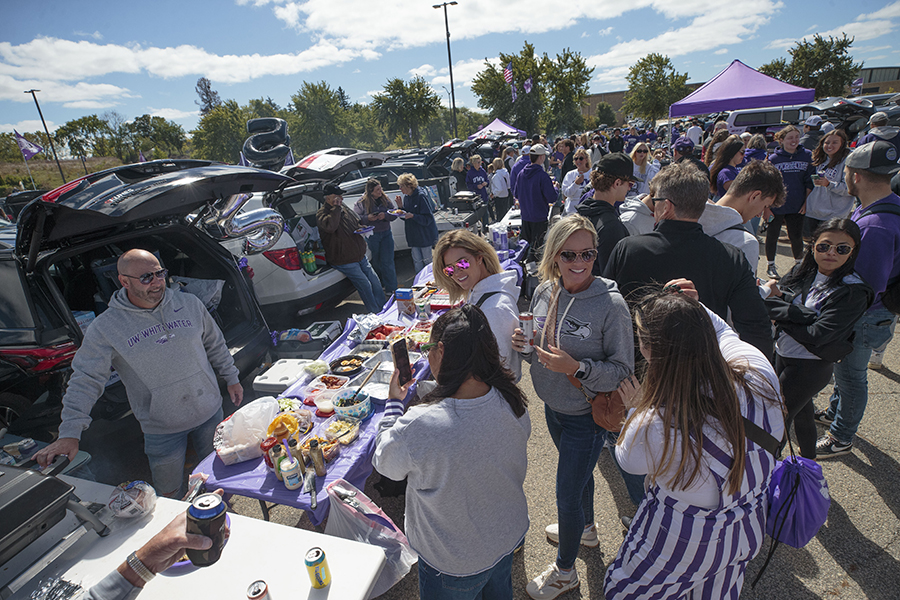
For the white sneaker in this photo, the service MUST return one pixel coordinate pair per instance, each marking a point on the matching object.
(588, 538)
(551, 583)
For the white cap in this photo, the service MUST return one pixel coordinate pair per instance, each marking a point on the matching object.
(813, 121)
(539, 149)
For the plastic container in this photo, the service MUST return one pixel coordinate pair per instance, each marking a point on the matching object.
(360, 410)
(345, 435)
(317, 382)
(325, 401)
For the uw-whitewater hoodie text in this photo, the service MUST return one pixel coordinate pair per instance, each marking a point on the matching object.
(165, 357)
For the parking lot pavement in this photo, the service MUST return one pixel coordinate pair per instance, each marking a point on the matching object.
(855, 555)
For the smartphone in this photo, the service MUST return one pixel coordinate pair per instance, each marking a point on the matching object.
(401, 361)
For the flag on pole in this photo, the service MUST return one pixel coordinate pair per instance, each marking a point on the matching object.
(29, 149)
(290, 161)
(514, 96)
(527, 85)
(507, 73)
(141, 156)
(856, 86)
(243, 162)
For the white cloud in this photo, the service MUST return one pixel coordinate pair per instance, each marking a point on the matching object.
(425, 70)
(864, 27)
(90, 104)
(374, 93)
(888, 12)
(721, 51)
(96, 35)
(464, 72)
(584, 34)
(55, 91)
(812, 28)
(879, 57)
(868, 49)
(605, 31)
(173, 114)
(26, 126)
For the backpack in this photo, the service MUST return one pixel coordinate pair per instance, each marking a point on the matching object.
(891, 295)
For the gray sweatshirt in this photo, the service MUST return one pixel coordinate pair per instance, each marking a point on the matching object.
(636, 216)
(597, 331)
(165, 357)
(466, 461)
(727, 225)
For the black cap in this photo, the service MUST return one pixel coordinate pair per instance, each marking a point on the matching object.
(333, 190)
(878, 157)
(618, 165)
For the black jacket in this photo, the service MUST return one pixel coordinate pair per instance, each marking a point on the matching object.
(616, 144)
(697, 162)
(609, 228)
(720, 273)
(828, 335)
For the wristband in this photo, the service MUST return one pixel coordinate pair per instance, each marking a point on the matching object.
(139, 568)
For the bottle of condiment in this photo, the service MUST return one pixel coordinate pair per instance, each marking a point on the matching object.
(317, 458)
(277, 457)
(266, 446)
(297, 454)
(290, 470)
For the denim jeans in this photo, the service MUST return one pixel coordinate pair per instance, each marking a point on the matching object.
(851, 384)
(166, 451)
(496, 582)
(633, 483)
(421, 257)
(366, 283)
(381, 244)
(579, 441)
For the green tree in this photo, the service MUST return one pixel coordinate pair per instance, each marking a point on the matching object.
(156, 137)
(221, 132)
(823, 64)
(653, 85)
(343, 98)
(606, 115)
(495, 95)
(405, 108)
(9, 149)
(209, 98)
(567, 86)
(87, 136)
(365, 130)
(265, 107)
(321, 122)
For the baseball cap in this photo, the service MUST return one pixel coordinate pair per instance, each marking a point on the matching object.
(827, 127)
(539, 149)
(684, 145)
(333, 190)
(813, 121)
(877, 157)
(617, 164)
(879, 117)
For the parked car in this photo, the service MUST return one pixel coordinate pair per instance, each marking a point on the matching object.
(57, 270)
(13, 204)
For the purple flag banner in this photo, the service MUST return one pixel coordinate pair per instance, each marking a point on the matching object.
(514, 96)
(243, 162)
(29, 149)
(856, 86)
(141, 156)
(527, 85)
(290, 161)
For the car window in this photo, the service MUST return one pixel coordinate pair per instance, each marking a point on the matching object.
(15, 312)
(304, 205)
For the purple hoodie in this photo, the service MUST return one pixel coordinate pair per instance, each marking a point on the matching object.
(796, 170)
(536, 193)
(879, 251)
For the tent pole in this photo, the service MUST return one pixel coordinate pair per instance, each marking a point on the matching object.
(671, 141)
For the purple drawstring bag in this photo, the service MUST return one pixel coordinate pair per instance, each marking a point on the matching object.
(798, 501)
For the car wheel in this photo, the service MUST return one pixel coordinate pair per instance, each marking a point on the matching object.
(12, 406)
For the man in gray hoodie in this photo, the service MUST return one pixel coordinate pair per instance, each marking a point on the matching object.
(164, 346)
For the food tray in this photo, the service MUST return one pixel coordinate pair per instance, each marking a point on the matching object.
(318, 381)
(348, 437)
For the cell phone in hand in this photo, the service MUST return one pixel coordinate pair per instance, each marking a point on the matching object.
(401, 361)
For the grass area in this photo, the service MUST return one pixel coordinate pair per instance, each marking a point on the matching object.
(46, 174)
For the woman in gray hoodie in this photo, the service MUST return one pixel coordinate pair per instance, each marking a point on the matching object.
(583, 334)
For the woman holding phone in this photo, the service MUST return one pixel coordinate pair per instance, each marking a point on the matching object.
(829, 198)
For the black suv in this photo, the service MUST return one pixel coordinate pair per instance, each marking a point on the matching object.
(58, 270)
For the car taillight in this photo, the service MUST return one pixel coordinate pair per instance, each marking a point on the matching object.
(286, 258)
(40, 359)
(53, 195)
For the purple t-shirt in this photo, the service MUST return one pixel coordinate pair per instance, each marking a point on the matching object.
(879, 252)
(728, 173)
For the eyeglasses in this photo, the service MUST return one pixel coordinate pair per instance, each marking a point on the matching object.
(640, 151)
(146, 278)
(580, 158)
(427, 347)
(842, 249)
(568, 256)
(655, 200)
(461, 264)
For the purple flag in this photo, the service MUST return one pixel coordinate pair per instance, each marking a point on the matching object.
(514, 96)
(527, 85)
(29, 149)
(290, 161)
(141, 156)
(243, 162)
(856, 86)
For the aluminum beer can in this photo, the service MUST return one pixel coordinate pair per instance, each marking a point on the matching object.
(526, 324)
(258, 590)
(206, 516)
(319, 573)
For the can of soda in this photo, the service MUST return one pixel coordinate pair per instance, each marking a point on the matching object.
(504, 239)
(206, 516)
(526, 324)
(258, 590)
(319, 573)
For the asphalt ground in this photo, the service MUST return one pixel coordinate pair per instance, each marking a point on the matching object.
(855, 555)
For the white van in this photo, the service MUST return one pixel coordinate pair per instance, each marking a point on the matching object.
(759, 120)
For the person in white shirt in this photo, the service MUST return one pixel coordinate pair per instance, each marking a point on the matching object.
(500, 189)
(576, 181)
(694, 133)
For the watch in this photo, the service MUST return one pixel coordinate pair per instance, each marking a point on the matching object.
(582, 371)
(139, 568)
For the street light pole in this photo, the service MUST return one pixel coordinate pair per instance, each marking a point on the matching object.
(47, 131)
(450, 61)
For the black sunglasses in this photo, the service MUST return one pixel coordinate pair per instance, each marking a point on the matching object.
(568, 256)
(146, 278)
(842, 249)
(641, 151)
(580, 158)
(655, 200)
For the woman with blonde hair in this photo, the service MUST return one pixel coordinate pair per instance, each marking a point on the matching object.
(644, 169)
(372, 209)
(421, 228)
(458, 172)
(583, 337)
(500, 189)
(467, 267)
(576, 181)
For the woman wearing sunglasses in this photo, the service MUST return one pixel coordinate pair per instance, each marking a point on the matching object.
(583, 336)
(468, 268)
(576, 181)
(815, 307)
(644, 169)
(464, 450)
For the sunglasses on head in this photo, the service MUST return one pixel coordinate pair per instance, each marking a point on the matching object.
(461, 264)
(842, 249)
(146, 278)
(568, 256)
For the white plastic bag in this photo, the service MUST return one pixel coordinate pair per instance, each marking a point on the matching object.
(238, 437)
(348, 522)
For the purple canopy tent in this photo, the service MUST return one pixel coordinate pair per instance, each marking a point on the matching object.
(498, 126)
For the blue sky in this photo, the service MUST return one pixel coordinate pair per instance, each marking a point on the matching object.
(145, 57)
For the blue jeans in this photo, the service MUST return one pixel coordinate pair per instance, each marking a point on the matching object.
(579, 441)
(381, 244)
(166, 451)
(496, 582)
(366, 283)
(421, 257)
(851, 383)
(633, 483)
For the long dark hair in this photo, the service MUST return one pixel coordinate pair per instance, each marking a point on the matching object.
(728, 150)
(470, 349)
(689, 384)
(819, 156)
(369, 201)
(808, 266)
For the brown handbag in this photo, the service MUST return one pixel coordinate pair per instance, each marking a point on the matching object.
(607, 408)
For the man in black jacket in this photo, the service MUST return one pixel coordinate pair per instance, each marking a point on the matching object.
(611, 179)
(678, 248)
